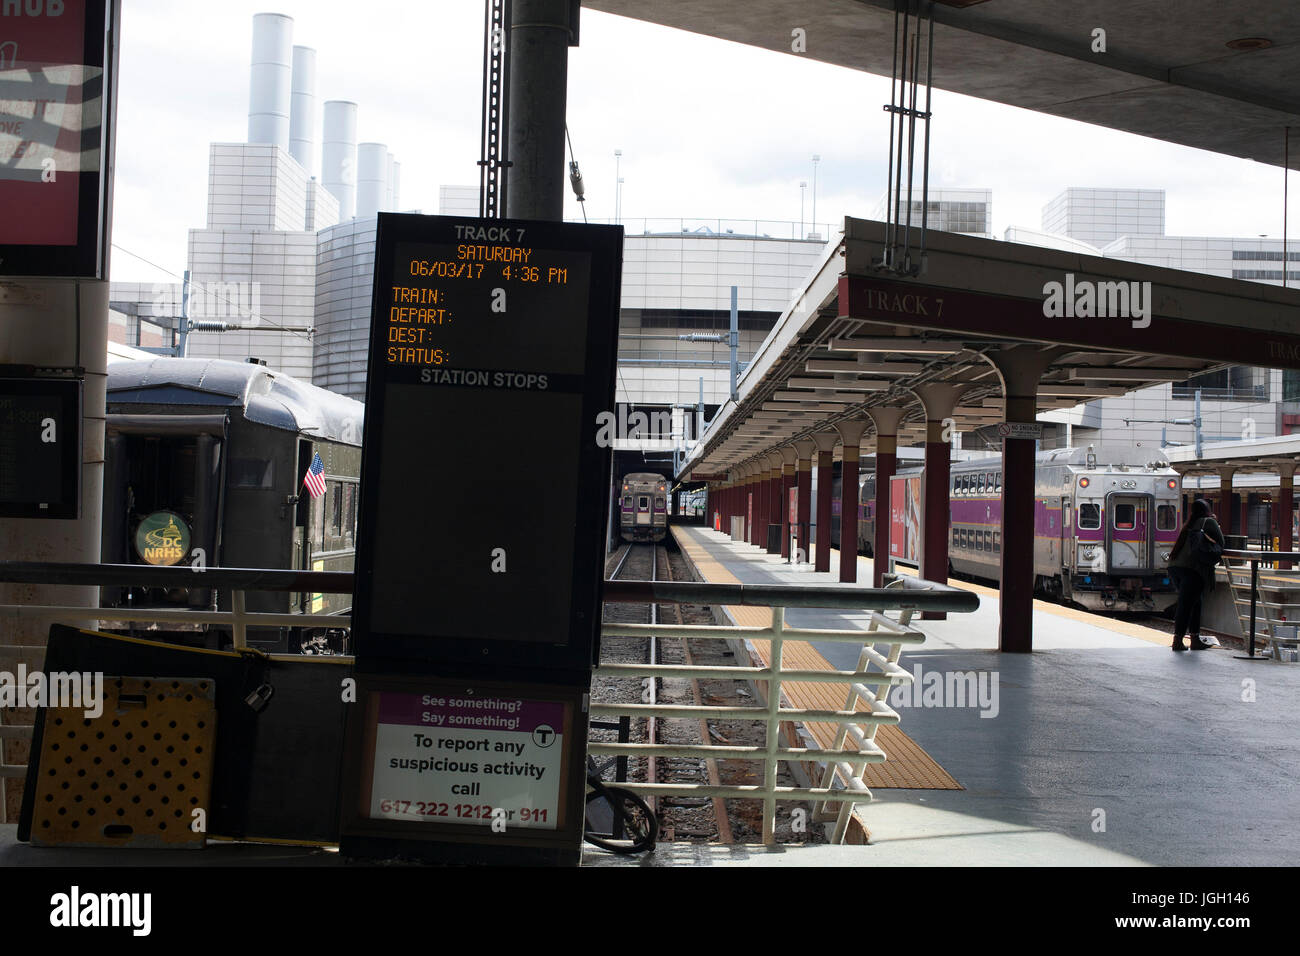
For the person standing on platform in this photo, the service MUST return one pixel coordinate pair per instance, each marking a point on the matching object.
(1191, 565)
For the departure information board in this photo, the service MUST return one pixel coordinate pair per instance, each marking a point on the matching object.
(40, 448)
(491, 355)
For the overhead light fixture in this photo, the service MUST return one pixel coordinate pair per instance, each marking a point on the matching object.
(859, 385)
(1245, 43)
(899, 344)
(1130, 374)
(863, 368)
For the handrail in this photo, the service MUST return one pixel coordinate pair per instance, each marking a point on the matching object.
(1255, 557)
(180, 576)
(920, 595)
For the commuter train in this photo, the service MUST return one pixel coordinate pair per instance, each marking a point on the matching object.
(205, 461)
(1102, 531)
(643, 507)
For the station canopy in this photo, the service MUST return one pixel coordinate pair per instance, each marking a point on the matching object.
(858, 336)
(1203, 73)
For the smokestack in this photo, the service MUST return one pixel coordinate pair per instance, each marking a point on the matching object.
(388, 187)
(269, 81)
(395, 186)
(302, 109)
(372, 179)
(339, 157)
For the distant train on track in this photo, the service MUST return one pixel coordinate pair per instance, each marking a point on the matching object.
(643, 507)
(1104, 523)
(206, 461)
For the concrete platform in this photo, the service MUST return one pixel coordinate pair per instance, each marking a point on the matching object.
(1185, 759)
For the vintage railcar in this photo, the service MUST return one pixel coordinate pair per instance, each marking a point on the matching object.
(205, 462)
(643, 507)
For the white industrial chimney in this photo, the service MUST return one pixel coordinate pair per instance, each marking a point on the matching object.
(388, 188)
(372, 179)
(302, 109)
(339, 157)
(269, 81)
(395, 186)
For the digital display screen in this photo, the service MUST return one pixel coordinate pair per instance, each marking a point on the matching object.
(470, 525)
(491, 355)
(52, 104)
(40, 460)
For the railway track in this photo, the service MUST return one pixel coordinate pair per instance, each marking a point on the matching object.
(681, 818)
(694, 819)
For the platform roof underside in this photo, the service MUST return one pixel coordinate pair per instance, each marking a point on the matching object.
(1167, 71)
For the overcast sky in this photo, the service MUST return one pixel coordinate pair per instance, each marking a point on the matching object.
(708, 128)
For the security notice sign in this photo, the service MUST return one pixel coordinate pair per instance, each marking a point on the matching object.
(485, 761)
(465, 771)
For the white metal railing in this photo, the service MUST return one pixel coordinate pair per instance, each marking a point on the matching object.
(844, 764)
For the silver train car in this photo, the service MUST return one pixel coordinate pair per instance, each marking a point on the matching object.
(643, 507)
(1104, 523)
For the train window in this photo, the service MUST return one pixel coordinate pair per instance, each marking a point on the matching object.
(252, 473)
(988, 540)
(997, 541)
(997, 481)
(627, 502)
(1089, 517)
(1166, 517)
(340, 515)
(1125, 517)
(643, 503)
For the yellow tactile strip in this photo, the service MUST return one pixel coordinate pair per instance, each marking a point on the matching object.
(1114, 625)
(908, 766)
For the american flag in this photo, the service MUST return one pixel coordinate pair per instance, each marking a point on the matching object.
(315, 477)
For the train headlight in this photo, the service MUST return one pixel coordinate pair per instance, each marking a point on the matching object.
(1084, 482)
(1172, 483)
(1164, 555)
(1088, 553)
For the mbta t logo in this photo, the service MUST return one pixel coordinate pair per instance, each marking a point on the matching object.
(544, 735)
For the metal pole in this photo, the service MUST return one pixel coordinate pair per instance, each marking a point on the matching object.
(1254, 597)
(816, 159)
(538, 53)
(1196, 420)
(734, 340)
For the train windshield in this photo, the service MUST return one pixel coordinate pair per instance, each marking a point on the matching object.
(1089, 517)
(1166, 517)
